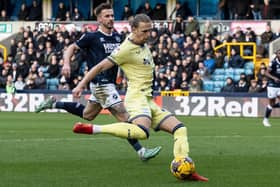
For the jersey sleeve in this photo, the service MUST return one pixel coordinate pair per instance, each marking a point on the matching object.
(84, 41)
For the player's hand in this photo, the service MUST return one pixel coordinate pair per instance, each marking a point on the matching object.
(77, 92)
(66, 70)
(277, 80)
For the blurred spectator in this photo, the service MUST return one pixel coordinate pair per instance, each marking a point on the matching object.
(10, 87)
(207, 27)
(14, 72)
(197, 85)
(68, 16)
(266, 36)
(229, 87)
(23, 12)
(4, 16)
(267, 10)
(19, 83)
(146, 9)
(35, 11)
(178, 25)
(235, 60)
(184, 86)
(77, 15)
(192, 25)
(127, 13)
(23, 68)
(53, 68)
(210, 63)
(255, 8)
(221, 9)
(61, 12)
(30, 84)
(179, 10)
(202, 71)
(3, 78)
(242, 86)
(159, 12)
(254, 87)
(264, 84)
(219, 59)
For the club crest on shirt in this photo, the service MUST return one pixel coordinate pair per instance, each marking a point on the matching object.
(118, 39)
(102, 39)
(146, 61)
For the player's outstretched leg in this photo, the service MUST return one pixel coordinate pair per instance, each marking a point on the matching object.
(121, 129)
(47, 104)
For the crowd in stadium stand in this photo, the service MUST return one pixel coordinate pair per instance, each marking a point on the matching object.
(226, 9)
(184, 56)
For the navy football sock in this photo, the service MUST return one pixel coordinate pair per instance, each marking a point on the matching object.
(268, 111)
(135, 144)
(71, 107)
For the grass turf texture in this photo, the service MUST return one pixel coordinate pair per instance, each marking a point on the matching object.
(41, 150)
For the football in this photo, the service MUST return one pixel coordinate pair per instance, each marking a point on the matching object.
(182, 168)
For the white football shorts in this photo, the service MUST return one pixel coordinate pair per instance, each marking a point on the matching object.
(106, 95)
(273, 92)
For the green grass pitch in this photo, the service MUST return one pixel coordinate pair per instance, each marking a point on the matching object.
(41, 150)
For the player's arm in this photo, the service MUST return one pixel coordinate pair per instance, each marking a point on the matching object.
(268, 74)
(100, 67)
(68, 53)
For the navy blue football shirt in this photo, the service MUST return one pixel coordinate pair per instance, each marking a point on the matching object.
(97, 46)
(274, 69)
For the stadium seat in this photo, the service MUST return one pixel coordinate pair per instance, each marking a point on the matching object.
(219, 84)
(219, 71)
(238, 71)
(217, 89)
(236, 78)
(249, 65)
(218, 77)
(229, 72)
(52, 84)
(249, 71)
(208, 86)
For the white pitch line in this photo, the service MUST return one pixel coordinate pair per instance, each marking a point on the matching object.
(109, 138)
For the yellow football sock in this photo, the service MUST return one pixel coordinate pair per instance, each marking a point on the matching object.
(123, 130)
(181, 144)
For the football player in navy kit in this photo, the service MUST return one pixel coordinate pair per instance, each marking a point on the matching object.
(98, 45)
(273, 88)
